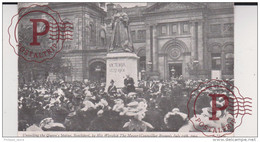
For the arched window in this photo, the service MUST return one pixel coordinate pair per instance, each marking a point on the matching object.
(66, 29)
(216, 59)
(97, 71)
(92, 34)
(229, 58)
(229, 62)
(142, 63)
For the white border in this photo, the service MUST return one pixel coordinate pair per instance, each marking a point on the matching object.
(247, 67)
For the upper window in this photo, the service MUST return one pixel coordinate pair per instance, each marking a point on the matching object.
(229, 62)
(185, 28)
(216, 61)
(141, 35)
(215, 29)
(174, 29)
(133, 36)
(163, 30)
(92, 34)
(228, 29)
(68, 28)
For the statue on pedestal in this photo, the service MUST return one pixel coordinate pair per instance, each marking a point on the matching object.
(121, 40)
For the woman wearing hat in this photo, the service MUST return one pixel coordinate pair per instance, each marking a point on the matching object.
(175, 119)
(136, 111)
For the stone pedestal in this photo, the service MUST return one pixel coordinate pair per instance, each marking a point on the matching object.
(119, 65)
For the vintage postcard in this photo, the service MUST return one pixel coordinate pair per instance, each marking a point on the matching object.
(110, 69)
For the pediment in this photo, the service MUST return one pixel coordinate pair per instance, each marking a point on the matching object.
(173, 6)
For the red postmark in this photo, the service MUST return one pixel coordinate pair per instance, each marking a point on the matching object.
(216, 108)
(39, 33)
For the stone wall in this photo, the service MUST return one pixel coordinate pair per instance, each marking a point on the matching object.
(209, 28)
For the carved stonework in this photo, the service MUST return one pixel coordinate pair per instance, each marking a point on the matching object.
(174, 53)
(166, 7)
(121, 39)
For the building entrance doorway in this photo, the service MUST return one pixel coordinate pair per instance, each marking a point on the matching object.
(175, 70)
(97, 71)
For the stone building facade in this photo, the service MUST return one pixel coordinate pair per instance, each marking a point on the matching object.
(171, 39)
(189, 39)
(86, 53)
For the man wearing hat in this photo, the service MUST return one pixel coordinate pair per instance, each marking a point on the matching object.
(129, 84)
(112, 90)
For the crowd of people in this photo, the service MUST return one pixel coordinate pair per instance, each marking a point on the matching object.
(154, 105)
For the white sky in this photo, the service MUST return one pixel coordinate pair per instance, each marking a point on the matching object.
(128, 4)
(123, 4)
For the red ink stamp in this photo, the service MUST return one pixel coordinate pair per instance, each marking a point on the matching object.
(39, 33)
(216, 108)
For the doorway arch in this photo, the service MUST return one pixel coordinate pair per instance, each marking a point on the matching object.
(174, 60)
(97, 71)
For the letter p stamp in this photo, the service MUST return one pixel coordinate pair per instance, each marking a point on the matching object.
(216, 108)
(39, 38)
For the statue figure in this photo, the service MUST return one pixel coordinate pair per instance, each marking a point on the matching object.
(121, 39)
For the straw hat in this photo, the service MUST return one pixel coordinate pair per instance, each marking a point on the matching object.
(102, 103)
(136, 109)
(46, 121)
(87, 105)
(92, 86)
(132, 94)
(174, 111)
(54, 127)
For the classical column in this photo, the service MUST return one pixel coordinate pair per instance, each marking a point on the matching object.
(200, 43)
(162, 65)
(148, 48)
(194, 51)
(222, 61)
(155, 49)
(206, 58)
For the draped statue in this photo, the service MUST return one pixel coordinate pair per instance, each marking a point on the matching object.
(121, 40)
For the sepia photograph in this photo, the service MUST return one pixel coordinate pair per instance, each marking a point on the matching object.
(125, 66)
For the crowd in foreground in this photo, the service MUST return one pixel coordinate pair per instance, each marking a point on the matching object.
(91, 106)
